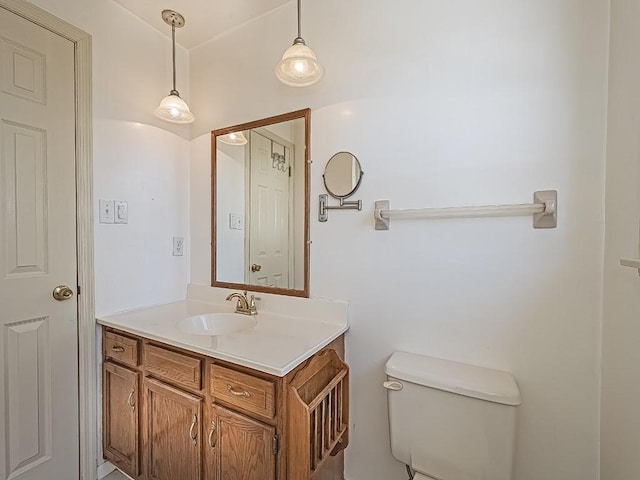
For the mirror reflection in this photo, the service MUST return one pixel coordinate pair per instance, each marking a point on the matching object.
(342, 175)
(260, 205)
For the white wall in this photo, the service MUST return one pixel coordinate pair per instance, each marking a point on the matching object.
(621, 328)
(446, 103)
(136, 157)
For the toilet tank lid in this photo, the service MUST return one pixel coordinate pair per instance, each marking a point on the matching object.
(461, 378)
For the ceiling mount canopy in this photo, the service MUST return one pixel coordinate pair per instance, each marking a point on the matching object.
(299, 66)
(172, 108)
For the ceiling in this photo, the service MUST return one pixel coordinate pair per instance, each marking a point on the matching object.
(204, 19)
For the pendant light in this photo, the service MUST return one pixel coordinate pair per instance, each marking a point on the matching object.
(234, 138)
(172, 108)
(299, 66)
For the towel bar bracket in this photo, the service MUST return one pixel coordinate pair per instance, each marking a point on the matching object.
(549, 217)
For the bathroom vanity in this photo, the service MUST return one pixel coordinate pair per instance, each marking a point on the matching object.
(268, 402)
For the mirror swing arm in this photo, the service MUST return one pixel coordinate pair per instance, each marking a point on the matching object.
(323, 211)
(342, 177)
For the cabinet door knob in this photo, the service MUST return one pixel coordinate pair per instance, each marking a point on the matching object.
(255, 267)
(192, 434)
(212, 442)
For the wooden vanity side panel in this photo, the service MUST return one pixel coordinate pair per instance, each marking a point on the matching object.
(333, 467)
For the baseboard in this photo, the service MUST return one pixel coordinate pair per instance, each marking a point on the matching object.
(105, 469)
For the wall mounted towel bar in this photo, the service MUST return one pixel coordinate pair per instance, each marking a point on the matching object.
(631, 262)
(544, 210)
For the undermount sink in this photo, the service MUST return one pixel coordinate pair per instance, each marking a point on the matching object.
(216, 323)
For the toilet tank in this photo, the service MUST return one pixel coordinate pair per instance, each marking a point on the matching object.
(449, 420)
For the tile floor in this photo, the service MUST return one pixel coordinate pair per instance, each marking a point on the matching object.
(116, 475)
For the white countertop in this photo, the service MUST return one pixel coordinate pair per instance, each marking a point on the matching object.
(276, 345)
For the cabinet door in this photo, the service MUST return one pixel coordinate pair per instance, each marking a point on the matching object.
(241, 448)
(120, 417)
(173, 433)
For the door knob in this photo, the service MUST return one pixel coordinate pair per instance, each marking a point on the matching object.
(255, 267)
(62, 293)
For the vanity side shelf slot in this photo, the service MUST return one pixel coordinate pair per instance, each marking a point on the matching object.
(318, 417)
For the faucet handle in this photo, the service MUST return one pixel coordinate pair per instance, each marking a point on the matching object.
(252, 305)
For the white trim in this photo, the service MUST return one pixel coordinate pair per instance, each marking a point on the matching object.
(84, 213)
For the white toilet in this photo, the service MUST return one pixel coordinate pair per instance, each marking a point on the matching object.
(449, 420)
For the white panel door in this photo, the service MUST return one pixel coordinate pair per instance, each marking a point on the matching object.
(38, 334)
(269, 218)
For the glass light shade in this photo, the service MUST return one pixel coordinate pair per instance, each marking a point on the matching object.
(235, 138)
(173, 109)
(299, 67)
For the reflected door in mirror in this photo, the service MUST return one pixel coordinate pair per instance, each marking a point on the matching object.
(269, 214)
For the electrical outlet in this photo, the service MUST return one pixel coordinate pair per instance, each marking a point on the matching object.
(106, 211)
(121, 212)
(178, 246)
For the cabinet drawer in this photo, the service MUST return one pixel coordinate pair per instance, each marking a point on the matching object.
(120, 348)
(244, 391)
(173, 367)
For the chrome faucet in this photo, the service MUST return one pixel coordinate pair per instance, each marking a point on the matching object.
(244, 305)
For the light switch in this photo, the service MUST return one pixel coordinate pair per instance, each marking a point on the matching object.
(121, 212)
(106, 211)
(235, 221)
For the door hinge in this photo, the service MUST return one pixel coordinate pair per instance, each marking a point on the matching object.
(289, 172)
(274, 444)
(78, 290)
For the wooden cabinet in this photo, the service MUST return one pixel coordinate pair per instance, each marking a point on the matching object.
(172, 432)
(120, 413)
(240, 448)
(171, 414)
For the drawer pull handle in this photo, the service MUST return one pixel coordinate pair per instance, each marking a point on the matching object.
(212, 443)
(238, 393)
(192, 435)
(130, 401)
(117, 348)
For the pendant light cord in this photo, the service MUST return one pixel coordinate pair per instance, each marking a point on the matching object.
(299, 33)
(173, 51)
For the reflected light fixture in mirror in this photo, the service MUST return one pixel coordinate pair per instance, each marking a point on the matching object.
(299, 66)
(233, 138)
(172, 108)
(260, 206)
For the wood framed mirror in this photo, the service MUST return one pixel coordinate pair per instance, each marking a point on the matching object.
(260, 205)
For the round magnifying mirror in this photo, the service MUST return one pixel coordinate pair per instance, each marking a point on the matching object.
(342, 175)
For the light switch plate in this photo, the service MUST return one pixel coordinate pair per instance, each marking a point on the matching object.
(178, 246)
(121, 212)
(235, 221)
(106, 211)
